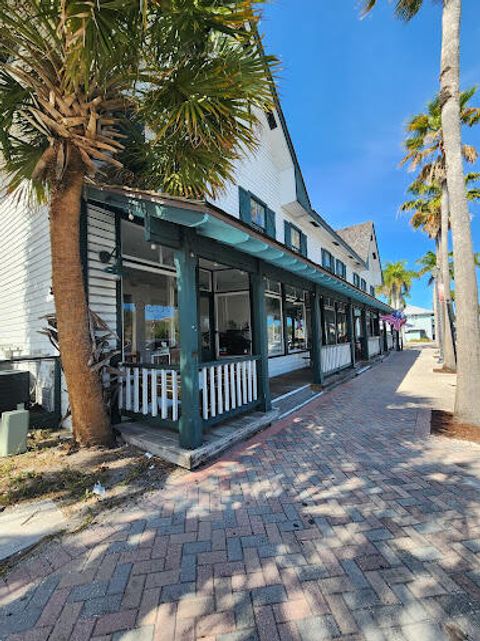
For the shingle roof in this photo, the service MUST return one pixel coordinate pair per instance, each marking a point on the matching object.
(358, 237)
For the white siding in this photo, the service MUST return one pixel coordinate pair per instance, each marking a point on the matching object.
(284, 364)
(25, 278)
(268, 174)
(101, 285)
(25, 283)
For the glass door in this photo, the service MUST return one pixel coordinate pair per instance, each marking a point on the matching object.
(207, 326)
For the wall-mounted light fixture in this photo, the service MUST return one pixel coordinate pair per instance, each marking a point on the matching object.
(115, 269)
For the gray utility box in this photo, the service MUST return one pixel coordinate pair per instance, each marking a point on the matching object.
(13, 431)
(14, 389)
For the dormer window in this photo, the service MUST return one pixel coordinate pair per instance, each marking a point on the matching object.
(255, 213)
(328, 262)
(258, 213)
(295, 239)
(340, 269)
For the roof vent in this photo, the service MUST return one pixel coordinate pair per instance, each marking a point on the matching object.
(272, 123)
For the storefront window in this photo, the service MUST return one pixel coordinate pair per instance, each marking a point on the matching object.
(234, 331)
(150, 317)
(373, 324)
(330, 323)
(231, 280)
(273, 287)
(295, 319)
(342, 327)
(274, 325)
(135, 247)
(204, 280)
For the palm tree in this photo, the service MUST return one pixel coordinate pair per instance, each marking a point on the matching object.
(75, 78)
(467, 407)
(426, 206)
(397, 282)
(429, 265)
(425, 150)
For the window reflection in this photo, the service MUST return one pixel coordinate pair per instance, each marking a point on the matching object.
(330, 322)
(274, 325)
(150, 317)
(342, 327)
(295, 319)
(234, 331)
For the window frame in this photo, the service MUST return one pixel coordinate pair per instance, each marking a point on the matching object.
(258, 203)
(343, 273)
(296, 230)
(331, 266)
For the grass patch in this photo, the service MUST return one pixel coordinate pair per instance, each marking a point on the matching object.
(66, 484)
(54, 468)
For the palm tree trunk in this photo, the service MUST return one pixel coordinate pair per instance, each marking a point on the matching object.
(467, 406)
(91, 425)
(449, 360)
(437, 308)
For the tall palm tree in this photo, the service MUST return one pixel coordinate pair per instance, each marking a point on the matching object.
(425, 151)
(77, 76)
(426, 206)
(397, 282)
(429, 265)
(467, 407)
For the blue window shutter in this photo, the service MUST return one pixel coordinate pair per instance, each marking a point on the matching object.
(303, 244)
(270, 227)
(288, 234)
(244, 200)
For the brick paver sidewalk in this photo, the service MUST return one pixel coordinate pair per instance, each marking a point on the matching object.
(342, 522)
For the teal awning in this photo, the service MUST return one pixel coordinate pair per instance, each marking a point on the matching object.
(207, 222)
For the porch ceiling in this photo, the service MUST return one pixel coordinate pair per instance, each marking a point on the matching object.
(225, 229)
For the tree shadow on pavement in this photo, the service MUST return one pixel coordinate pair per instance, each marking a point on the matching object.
(338, 522)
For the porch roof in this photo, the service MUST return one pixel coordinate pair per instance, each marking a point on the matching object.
(211, 222)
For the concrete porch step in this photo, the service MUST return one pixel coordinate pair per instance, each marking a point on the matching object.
(288, 403)
(164, 443)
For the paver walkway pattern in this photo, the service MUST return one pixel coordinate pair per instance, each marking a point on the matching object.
(344, 521)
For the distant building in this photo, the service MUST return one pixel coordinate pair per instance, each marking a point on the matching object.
(420, 323)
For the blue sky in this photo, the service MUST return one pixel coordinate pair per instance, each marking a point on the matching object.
(347, 87)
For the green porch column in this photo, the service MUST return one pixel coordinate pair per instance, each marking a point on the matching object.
(381, 335)
(351, 331)
(316, 337)
(260, 338)
(366, 355)
(190, 424)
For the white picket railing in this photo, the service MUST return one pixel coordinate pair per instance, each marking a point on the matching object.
(226, 386)
(390, 342)
(374, 346)
(335, 357)
(151, 391)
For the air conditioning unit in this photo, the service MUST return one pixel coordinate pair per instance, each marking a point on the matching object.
(14, 389)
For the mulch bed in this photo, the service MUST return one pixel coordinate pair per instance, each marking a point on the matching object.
(443, 424)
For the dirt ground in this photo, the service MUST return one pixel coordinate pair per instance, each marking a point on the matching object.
(54, 468)
(443, 424)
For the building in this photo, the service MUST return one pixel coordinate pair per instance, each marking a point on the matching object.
(211, 300)
(420, 323)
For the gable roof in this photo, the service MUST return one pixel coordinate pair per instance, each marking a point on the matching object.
(359, 238)
(413, 310)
